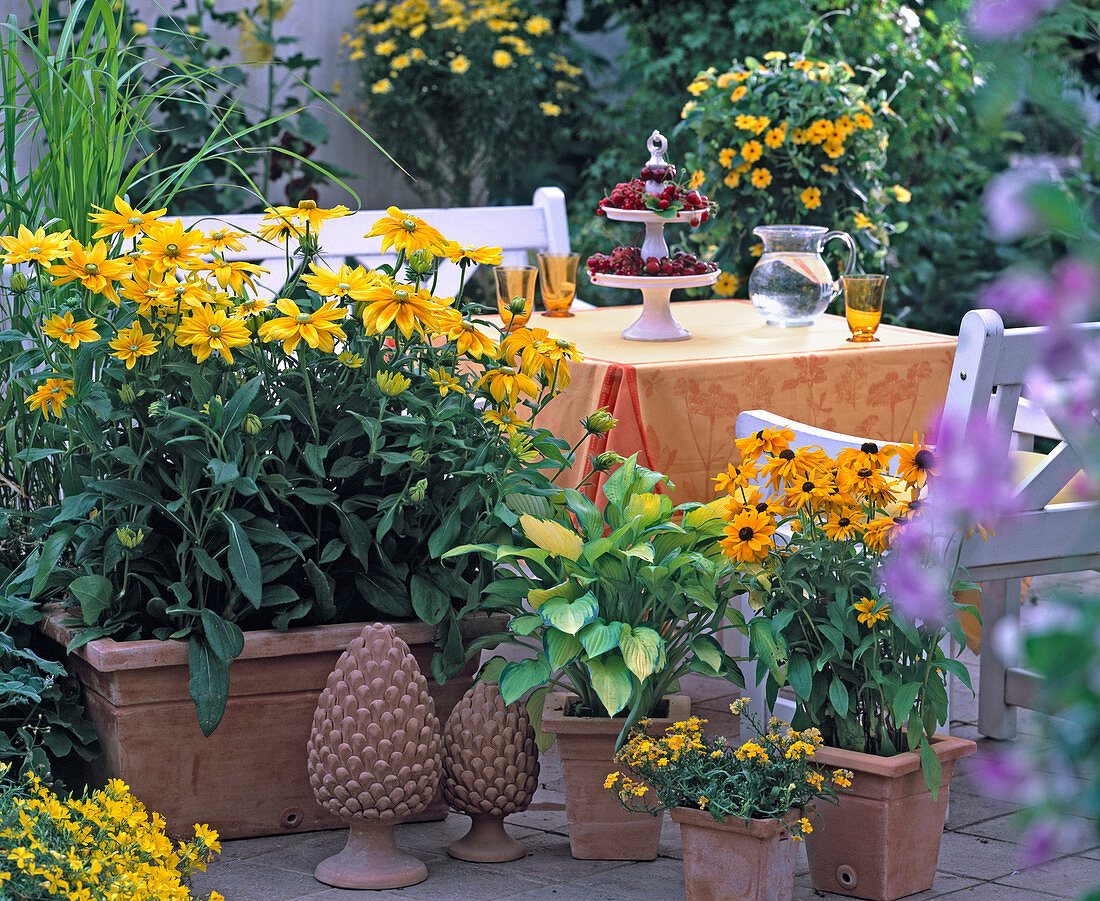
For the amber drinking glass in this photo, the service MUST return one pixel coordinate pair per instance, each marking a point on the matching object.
(513, 282)
(558, 272)
(863, 305)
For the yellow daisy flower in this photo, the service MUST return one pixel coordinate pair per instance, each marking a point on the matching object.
(131, 344)
(70, 331)
(318, 329)
(208, 329)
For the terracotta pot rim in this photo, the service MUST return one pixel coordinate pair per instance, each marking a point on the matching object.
(947, 747)
(555, 721)
(763, 827)
(108, 655)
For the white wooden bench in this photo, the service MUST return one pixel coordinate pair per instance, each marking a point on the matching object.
(542, 226)
(1045, 536)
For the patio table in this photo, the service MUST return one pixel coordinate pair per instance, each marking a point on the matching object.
(677, 401)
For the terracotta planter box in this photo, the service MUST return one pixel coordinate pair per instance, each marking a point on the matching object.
(733, 860)
(249, 777)
(882, 841)
(599, 827)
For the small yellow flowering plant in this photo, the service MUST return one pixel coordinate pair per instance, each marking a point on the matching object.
(104, 846)
(506, 69)
(789, 140)
(768, 776)
(211, 456)
(810, 533)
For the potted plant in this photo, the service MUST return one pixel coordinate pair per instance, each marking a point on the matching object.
(227, 469)
(873, 683)
(740, 809)
(615, 604)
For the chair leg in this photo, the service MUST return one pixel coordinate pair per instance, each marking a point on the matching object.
(1000, 603)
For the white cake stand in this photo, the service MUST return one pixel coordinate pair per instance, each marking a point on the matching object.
(656, 322)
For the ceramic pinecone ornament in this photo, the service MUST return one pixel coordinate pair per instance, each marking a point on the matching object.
(490, 770)
(374, 758)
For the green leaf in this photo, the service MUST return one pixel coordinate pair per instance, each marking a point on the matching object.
(322, 589)
(209, 685)
(838, 697)
(525, 624)
(561, 648)
(612, 682)
(51, 553)
(244, 565)
(570, 616)
(543, 740)
(225, 639)
(236, 408)
(799, 676)
(208, 564)
(314, 455)
(587, 513)
(709, 651)
(491, 670)
(599, 637)
(223, 472)
(94, 594)
(131, 491)
(930, 765)
(764, 646)
(332, 551)
(903, 701)
(520, 676)
(429, 602)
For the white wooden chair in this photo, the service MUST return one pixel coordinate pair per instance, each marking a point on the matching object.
(1045, 536)
(542, 226)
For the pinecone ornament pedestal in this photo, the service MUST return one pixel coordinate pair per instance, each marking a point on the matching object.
(374, 758)
(371, 860)
(487, 842)
(490, 770)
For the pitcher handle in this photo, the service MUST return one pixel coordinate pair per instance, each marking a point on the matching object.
(847, 239)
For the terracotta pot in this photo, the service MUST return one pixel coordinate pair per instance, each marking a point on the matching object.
(882, 841)
(249, 777)
(599, 827)
(733, 860)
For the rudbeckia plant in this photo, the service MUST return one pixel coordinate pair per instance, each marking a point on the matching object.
(810, 534)
(615, 604)
(213, 459)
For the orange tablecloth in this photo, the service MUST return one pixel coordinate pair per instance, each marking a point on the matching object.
(677, 401)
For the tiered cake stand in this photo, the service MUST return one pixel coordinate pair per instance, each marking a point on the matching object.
(656, 322)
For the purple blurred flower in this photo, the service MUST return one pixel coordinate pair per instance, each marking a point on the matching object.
(1022, 294)
(914, 579)
(998, 20)
(1008, 210)
(1004, 774)
(967, 489)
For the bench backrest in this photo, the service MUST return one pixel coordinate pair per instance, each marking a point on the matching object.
(542, 226)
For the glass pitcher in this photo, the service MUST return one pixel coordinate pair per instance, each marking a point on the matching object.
(790, 284)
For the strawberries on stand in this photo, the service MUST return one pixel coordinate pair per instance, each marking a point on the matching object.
(628, 261)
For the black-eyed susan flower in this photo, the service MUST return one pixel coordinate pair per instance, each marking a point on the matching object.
(92, 267)
(131, 344)
(410, 309)
(916, 462)
(70, 331)
(51, 397)
(869, 611)
(344, 282)
(505, 383)
(749, 537)
(168, 245)
(35, 247)
(406, 232)
(844, 525)
(207, 329)
(126, 220)
(319, 329)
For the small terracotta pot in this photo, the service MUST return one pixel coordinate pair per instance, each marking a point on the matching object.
(599, 827)
(733, 860)
(882, 841)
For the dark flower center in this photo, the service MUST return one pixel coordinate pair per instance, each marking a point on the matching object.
(762, 507)
(844, 522)
(807, 487)
(746, 533)
(924, 459)
(869, 447)
(786, 454)
(864, 473)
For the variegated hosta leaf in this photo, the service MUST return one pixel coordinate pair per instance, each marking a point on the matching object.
(611, 681)
(570, 616)
(536, 597)
(531, 504)
(562, 648)
(641, 648)
(599, 637)
(552, 537)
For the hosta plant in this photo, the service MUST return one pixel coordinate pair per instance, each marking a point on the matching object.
(219, 462)
(616, 603)
(810, 533)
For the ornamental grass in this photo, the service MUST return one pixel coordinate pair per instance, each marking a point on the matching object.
(104, 846)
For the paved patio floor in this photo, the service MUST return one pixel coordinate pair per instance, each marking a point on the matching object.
(979, 859)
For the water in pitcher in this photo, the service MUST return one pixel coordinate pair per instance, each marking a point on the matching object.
(791, 287)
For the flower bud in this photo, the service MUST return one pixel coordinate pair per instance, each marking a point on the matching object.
(517, 305)
(606, 461)
(392, 383)
(417, 492)
(129, 538)
(126, 395)
(18, 282)
(421, 263)
(599, 423)
(158, 409)
(252, 424)
(419, 455)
